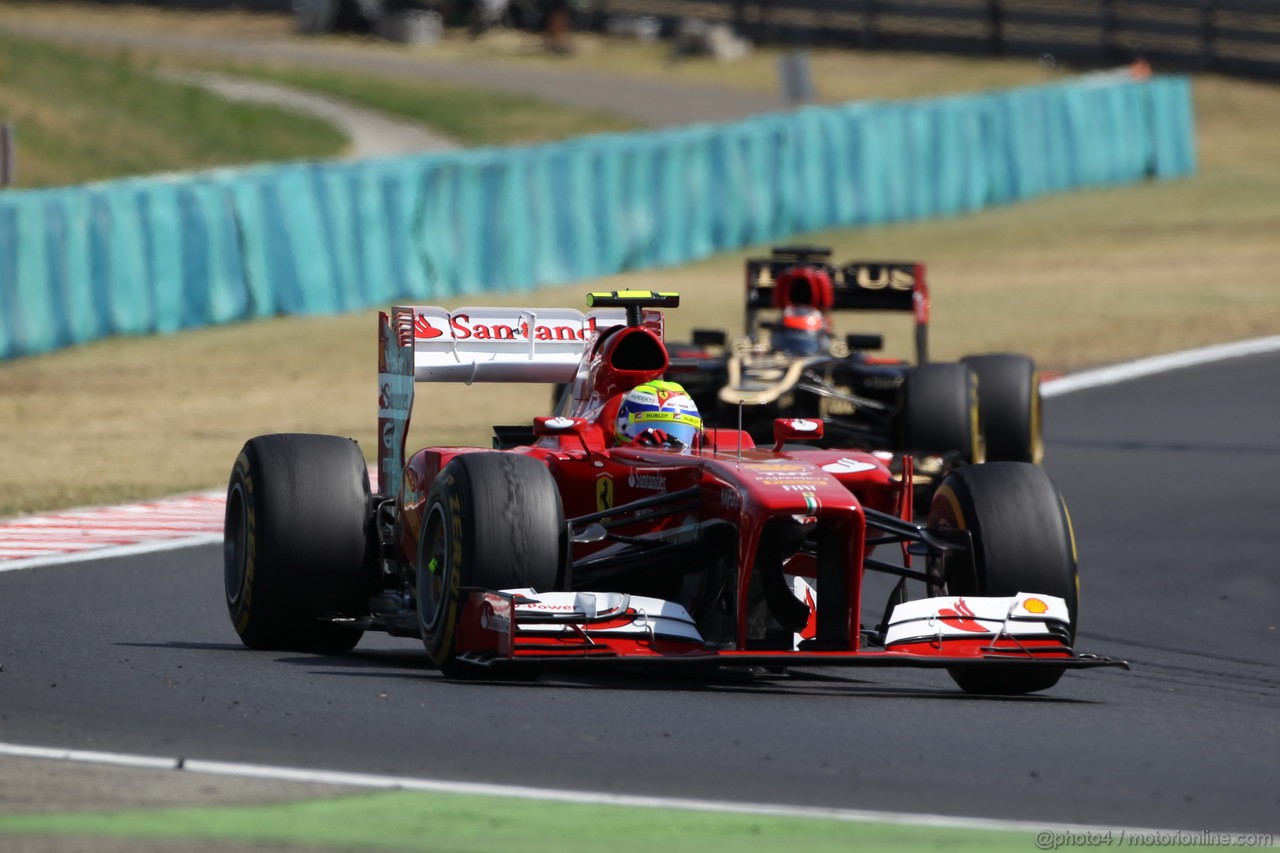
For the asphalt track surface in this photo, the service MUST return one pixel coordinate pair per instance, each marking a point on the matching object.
(1171, 482)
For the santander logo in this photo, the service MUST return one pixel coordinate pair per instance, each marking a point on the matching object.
(423, 329)
(462, 326)
(810, 629)
(962, 617)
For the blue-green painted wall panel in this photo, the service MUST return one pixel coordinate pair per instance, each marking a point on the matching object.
(161, 254)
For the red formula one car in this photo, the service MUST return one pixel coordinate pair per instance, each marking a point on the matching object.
(561, 547)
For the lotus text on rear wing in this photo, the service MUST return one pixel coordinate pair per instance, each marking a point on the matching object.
(462, 328)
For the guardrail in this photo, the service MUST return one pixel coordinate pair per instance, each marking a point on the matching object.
(155, 255)
(1231, 36)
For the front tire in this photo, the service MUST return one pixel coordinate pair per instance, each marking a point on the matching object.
(494, 521)
(1009, 401)
(295, 542)
(1022, 542)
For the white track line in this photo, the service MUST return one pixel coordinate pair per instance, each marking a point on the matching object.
(108, 553)
(179, 508)
(411, 783)
(1157, 364)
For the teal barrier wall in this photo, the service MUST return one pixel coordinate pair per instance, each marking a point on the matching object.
(175, 252)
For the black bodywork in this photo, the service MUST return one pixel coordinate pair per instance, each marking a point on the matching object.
(859, 396)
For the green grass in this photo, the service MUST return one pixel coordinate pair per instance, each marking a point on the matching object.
(80, 117)
(413, 821)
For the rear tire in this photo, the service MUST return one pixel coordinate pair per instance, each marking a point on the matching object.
(1022, 542)
(495, 521)
(557, 397)
(295, 542)
(939, 413)
(1009, 401)
(939, 417)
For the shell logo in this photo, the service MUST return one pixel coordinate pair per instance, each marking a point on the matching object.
(1034, 605)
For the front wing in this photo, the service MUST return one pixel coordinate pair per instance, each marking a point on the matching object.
(520, 627)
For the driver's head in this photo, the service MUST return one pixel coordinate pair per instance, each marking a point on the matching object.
(802, 330)
(658, 414)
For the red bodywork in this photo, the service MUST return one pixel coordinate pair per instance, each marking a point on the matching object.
(729, 479)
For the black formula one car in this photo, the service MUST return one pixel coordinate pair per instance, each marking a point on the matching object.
(789, 363)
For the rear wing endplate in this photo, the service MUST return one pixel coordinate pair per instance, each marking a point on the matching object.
(427, 343)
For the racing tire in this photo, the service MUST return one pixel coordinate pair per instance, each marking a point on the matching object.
(1009, 402)
(1022, 542)
(939, 414)
(494, 521)
(295, 542)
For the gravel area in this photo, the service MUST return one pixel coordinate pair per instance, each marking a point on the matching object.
(33, 785)
(39, 785)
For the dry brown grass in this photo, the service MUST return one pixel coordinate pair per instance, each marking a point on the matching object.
(150, 19)
(1075, 280)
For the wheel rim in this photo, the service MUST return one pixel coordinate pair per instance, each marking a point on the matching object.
(235, 545)
(977, 439)
(940, 567)
(1037, 434)
(432, 568)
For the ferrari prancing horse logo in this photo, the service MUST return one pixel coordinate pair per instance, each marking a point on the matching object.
(604, 493)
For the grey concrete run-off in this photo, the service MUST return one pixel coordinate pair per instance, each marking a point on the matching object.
(371, 134)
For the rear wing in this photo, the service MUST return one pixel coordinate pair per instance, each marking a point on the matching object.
(855, 286)
(427, 343)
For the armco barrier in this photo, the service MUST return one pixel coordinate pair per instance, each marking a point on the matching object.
(175, 252)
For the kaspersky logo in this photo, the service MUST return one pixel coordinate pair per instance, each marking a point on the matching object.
(962, 617)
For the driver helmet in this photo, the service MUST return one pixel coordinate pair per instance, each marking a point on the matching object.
(801, 331)
(658, 414)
